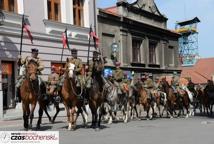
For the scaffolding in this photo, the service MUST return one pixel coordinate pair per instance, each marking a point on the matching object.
(188, 42)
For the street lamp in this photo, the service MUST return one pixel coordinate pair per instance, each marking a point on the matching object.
(114, 51)
(1, 18)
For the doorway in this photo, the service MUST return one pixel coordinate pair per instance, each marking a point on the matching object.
(8, 84)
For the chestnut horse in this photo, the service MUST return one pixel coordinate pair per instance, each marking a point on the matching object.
(70, 96)
(30, 92)
(170, 95)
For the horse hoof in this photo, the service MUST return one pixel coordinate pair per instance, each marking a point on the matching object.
(97, 129)
(38, 127)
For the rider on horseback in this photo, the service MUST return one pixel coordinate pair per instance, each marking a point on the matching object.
(22, 63)
(78, 66)
(148, 84)
(175, 82)
(78, 69)
(118, 77)
(53, 82)
(90, 69)
(210, 86)
(191, 87)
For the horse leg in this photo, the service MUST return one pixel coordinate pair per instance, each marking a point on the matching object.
(44, 107)
(83, 117)
(26, 112)
(110, 113)
(57, 111)
(96, 118)
(33, 106)
(40, 118)
(99, 116)
(68, 116)
(73, 117)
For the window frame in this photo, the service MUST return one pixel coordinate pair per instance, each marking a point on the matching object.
(6, 6)
(152, 52)
(136, 50)
(78, 12)
(52, 13)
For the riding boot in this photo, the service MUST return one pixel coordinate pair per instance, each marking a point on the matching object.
(18, 95)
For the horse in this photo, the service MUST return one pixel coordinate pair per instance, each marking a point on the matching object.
(202, 99)
(96, 96)
(209, 93)
(161, 101)
(115, 100)
(183, 101)
(170, 95)
(133, 100)
(30, 93)
(70, 97)
(49, 99)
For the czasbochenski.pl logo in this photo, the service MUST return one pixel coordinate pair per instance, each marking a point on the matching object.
(20, 137)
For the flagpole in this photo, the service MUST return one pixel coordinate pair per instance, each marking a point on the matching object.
(89, 43)
(20, 50)
(66, 36)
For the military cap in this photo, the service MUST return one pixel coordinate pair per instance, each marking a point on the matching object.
(96, 53)
(34, 50)
(73, 51)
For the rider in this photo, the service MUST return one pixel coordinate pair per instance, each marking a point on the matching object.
(210, 86)
(157, 83)
(175, 82)
(90, 69)
(118, 76)
(148, 84)
(78, 68)
(53, 80)
(191, 87)
(22, 63)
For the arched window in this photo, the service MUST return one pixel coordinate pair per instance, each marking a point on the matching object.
(54, 11)
(78, 12)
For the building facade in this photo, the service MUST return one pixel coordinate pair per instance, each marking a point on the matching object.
(48, 20)
(138, 32)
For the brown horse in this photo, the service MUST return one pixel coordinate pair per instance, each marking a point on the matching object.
(170, 95)
(203, 100)
(70, 97)
(183, 101)
(96, 96)
(145, 101)
(29, 91)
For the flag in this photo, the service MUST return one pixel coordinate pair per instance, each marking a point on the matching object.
(64, 40)
(95, 37)
(26, 28)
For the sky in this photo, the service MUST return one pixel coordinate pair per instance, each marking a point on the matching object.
(180, 10)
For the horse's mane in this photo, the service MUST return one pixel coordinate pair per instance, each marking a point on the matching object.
(33, 62)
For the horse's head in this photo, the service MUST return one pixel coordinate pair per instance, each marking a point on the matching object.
(31, 70)
(70, 69)
(98, 66)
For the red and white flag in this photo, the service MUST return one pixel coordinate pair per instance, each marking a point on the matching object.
(64, 40)
(95, 37)
(26, 28)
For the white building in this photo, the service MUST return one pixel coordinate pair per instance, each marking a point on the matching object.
(48, 19)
